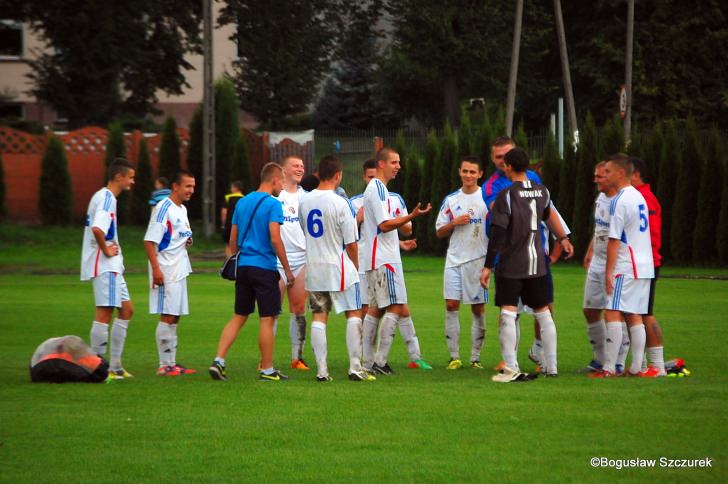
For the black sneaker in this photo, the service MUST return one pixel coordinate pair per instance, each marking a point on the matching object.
(324, 378)
(385, 369)
(217, 371)
(275, 376)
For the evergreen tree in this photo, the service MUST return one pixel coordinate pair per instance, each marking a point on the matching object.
(651, 154)
(194, 164)
(466, 146)
(521, 139)
(709, 197)
(721, 240)
(442, 181)
(686, 199)
(116, 148)
(670, 156)
(411, 189)
(588, 156)
(567, 186)
(227, 132)
(400, 146)
(485, 138)
(551, 168)
(241, 165)
(2, 190)
(613, 136)
(169, 160)
(55, 193)
(143, 187)
(425, 229)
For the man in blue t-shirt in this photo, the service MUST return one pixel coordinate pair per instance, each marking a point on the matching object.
(256, 236)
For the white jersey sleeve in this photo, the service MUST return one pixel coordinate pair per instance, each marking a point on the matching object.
(630, 225)
(101, 213)
(170, 230)
(381, 247)
(467, 242)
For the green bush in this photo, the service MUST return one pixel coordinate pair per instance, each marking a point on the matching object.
(613, 136)
(721, 240)
(227, 132)
(442, 181)
(686, 199)
(55, 199)
(588, 155)
(485, 138)
(169, 159)
(425, 230)
(115, 148)
(194, 164)
(240, 169)
(400, 146)
(709, 198)
(567, 188)
(551, 168)
(670, 156)
(143, 187)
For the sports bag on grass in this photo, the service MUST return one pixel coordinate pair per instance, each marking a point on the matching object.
(229, 269)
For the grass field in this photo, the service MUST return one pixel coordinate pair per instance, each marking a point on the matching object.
(415, 426)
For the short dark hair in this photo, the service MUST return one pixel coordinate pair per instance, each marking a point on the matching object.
(517, 159)
(269, 171)
(623, 161)
(181, 174)
(328, 167)
(237, 184)
(640, 167)
(369, 164)
(503, 141)
(309, 182)
(472, 159)
(120, 166)
(384, 153)
(162, 180)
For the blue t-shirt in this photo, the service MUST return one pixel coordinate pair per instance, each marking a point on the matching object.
(257, 250)
(495, 184)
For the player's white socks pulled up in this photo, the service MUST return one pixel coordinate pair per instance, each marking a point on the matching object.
(118, 337)
(477, 335)
(354, 342)
(639, 338)
(624, 347)
(508, 338)
(297, 327)
(548, 340)
(320, 347)
(369, 340)
(165, 336)
(99, 337)
(407, 330)
(597, 333)
(452, 333)
(386, 336)
(613, 342)
(656, 357)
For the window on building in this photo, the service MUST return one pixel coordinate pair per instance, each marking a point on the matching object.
(11, 39)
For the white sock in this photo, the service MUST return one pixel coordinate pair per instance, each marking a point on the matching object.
(624, 347)
(354, 342)
(407, 330)
(537, 351)
(220, 360)
(655, 353)
(613, 342)
(638, 337)
(99, 337)
(548, 340)
(320, 347)
(507, 335)
(369, 340)
(477, 336)
(597, 333)
(386, 337)
(173, 344)
(518, 331)
(118, 337)
(298, 335)
(164, 344)
(452, 333)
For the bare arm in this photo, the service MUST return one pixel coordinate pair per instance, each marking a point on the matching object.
(352, 250)
(395, 223)
(277, 242)
(406, 229)
(589, 254)
(233, 242)
(448, 228)
(108, 250)
(557, 229)
(151, 250)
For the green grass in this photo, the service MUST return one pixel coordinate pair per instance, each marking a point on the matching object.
(416, 426)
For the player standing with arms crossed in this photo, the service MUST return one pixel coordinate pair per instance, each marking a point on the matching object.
(103, 264)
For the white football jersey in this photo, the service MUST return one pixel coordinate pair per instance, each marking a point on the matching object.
(381, 248)
(357, 202)
(630, 224)
(328, 221)
(467, 242)
(170, 229)
(602, 217)
(101, 213)
(293, 239)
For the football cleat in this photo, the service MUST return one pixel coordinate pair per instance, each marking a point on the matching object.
(384, 369)
(592, 367)
(119, 374)
(275, 376)
(500, 366)
(619, 369)
(168, 371)
(361, 375)
(477, 365)
(217, 371)
(507, 375)
(299, 364)
(454, 364)
(421, 364)
(324, 378)
(648, 373)
(602, 374)
(185, 371)
(681, 373)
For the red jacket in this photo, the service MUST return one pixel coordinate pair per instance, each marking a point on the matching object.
(655, 218)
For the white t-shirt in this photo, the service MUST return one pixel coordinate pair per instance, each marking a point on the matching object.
(169, 228)
(381, 248)
(101, 213)
(467, 242)
(328, 222)
(630, 224)
(293, 239)
(602, 218)
(357, 202)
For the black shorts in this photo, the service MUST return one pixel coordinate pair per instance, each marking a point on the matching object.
(256, 284)
(533, 292)
(653, 283)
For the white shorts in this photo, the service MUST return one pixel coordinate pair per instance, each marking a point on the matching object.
(171, 298)
(462, 283)
(630, 295)
(110, 290)
(295, 269)
(364, 287)
(386, 286)
(595, 294)
(346, 300)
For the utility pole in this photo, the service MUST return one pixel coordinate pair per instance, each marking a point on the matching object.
(568, 91)
(628, 72)
(208, 126)
(513, 77)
